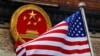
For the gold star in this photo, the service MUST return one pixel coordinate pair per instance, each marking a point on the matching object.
(32, 15)
(35, 23)
(39, 19)
(24, 17)
(29, 23)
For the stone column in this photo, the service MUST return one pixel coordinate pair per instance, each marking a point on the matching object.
(6, 42)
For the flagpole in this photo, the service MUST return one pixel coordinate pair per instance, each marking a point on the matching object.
(81, 5)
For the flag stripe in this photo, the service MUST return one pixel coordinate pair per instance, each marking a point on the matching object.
(59, 44)
(53, 53)
(57, 28)
(21, 52)
(61, 24)
(56, 48)
(56, 39)
(58, 31)
(19, 48)
(39, 55)
(61, 35)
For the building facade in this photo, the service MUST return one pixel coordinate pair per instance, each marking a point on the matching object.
(57, 11)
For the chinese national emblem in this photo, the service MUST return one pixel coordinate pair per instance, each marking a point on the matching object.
(28, 22)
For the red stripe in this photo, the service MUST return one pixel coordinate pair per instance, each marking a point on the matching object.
(40, 55)
(62, 41)
(57, 31)
(19, 50)
(63, 24)
(55, 48)
(24, 54)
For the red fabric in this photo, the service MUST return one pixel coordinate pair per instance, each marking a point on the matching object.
(19, 42)
(22, 26)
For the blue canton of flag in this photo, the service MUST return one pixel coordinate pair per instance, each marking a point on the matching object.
(76, 25)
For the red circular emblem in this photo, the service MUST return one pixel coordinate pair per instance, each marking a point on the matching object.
(28, 22)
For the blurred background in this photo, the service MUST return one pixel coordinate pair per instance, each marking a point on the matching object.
(57, 11)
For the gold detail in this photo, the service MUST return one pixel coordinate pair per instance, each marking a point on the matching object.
(39, 20)
(35, 23)
(29, 23)
(22, 41)
(32, 15)
(18, 12)
(31, 34)
(24, 17)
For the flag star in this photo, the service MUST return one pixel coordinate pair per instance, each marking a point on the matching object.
(77, 20)
(70, 31)
(80, 23)
(24, 17)
(29, 23)
(77, 34)
(79, 31)
(39, 19)
(75, 29)
(72, 28)
(72, 18)
(35, 23)
(82, 34)
(71, 34)
(77, 26)
(79, 17)
(73, 25)
(32, 15)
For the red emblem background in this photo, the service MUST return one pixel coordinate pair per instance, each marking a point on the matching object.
(22, 26)
(28, 22)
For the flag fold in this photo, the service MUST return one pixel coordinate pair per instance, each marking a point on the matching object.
(67, 38)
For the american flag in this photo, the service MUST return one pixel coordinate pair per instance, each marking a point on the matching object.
(67, 38)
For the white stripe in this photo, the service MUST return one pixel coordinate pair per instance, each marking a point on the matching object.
(21, 52)
(62, 22)
(64, 36)
(72, 39)
(53, 53)
(18, 48)
(57, 28)
(59, 44)
(59, 35)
